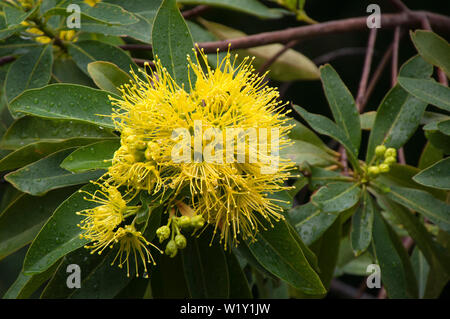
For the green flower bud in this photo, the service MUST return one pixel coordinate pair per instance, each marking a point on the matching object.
(163, 233)
(374, 170)
(198, 221)
(384, 168)
(380, 150)
(390, 152)
(390, 160)
(171, 249)
(184, 221)
(180, 241)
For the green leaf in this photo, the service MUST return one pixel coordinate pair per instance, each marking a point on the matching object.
(302, 133)
(27, 130)
(65, 70)
(60, 235)
(437, 278)
(32, 70)
(205, 268)
(281, 254)
(396, 270)
(107, 76)
(301, 152)
(35, 151)
(422, 202)
(327, 251)
(367, 120)
(46, 174)
(320, 177)
(429, 156)
(439, 140)
(444, 127)
(336, 197)
(57, 288)
(26, 285)
(101, 12)
(14, 16)
(66, 101)
(140, 31)
(437, 175)
(430, 249)
(94, 156)
(21, 221)
(362, 222)
(399, 114)
(239, 288)
(342, 104)
(432, 48)
(85, 52)
(290, 66)
(421, 270)
(325, 126)
(6, 32)
(428, 91)
(251, 7)
(172, 41)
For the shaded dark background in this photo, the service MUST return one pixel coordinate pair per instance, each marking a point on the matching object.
(309, 94)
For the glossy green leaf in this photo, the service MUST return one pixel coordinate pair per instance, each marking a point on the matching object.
(281, 254)
(27, 130)
(320, 177)
(439, 140)
(399, 114)
(140, 31)
(302, 133)
(342, 104)
(35, 151)
(422, 202)
(444, 127)
(6, 32)
(65, 70)
(396, 271)
(46, 174)
(437, 175)
(85, 52)
(427, 90)
(107, 76)
(101, 12)
(205, 268)
(172, 41)
(433, 48)
(325, 126)
(362, 222)
(94, 156)
(66, 101)
(336, 197)
(301, 152)
(239, 287)
(434, 254)
(429, 156)
(21, 221)
(60, 235)
(251, 7)
(14, 16)
(32, 70)
(421, 270)
(168, 278)
(367, 120)
(26, 285)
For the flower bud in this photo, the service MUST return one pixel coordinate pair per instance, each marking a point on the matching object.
(390, 160)
(163, 233)
(184, 221)
(171, 249)
(384, 168)
(374, 170)
(380, 150)
(180, 241)
(390, 152)
(198, 221)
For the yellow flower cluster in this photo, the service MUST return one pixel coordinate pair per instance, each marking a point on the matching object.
(231, 195)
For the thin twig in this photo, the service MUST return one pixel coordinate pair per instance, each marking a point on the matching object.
(6, 59)
(198, 10)
(343, 52)
(366, 69)
(270, 61)
(394, 64)
(400, 5)
(388, 20)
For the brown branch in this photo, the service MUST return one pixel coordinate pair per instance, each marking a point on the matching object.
(198, 10)
(6, 59)
(394, 64)
(400, 5)
(343, 52)
(388, 20)
(366, 69)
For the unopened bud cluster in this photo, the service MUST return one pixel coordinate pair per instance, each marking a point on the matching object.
(385, 157)
(173, 231)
